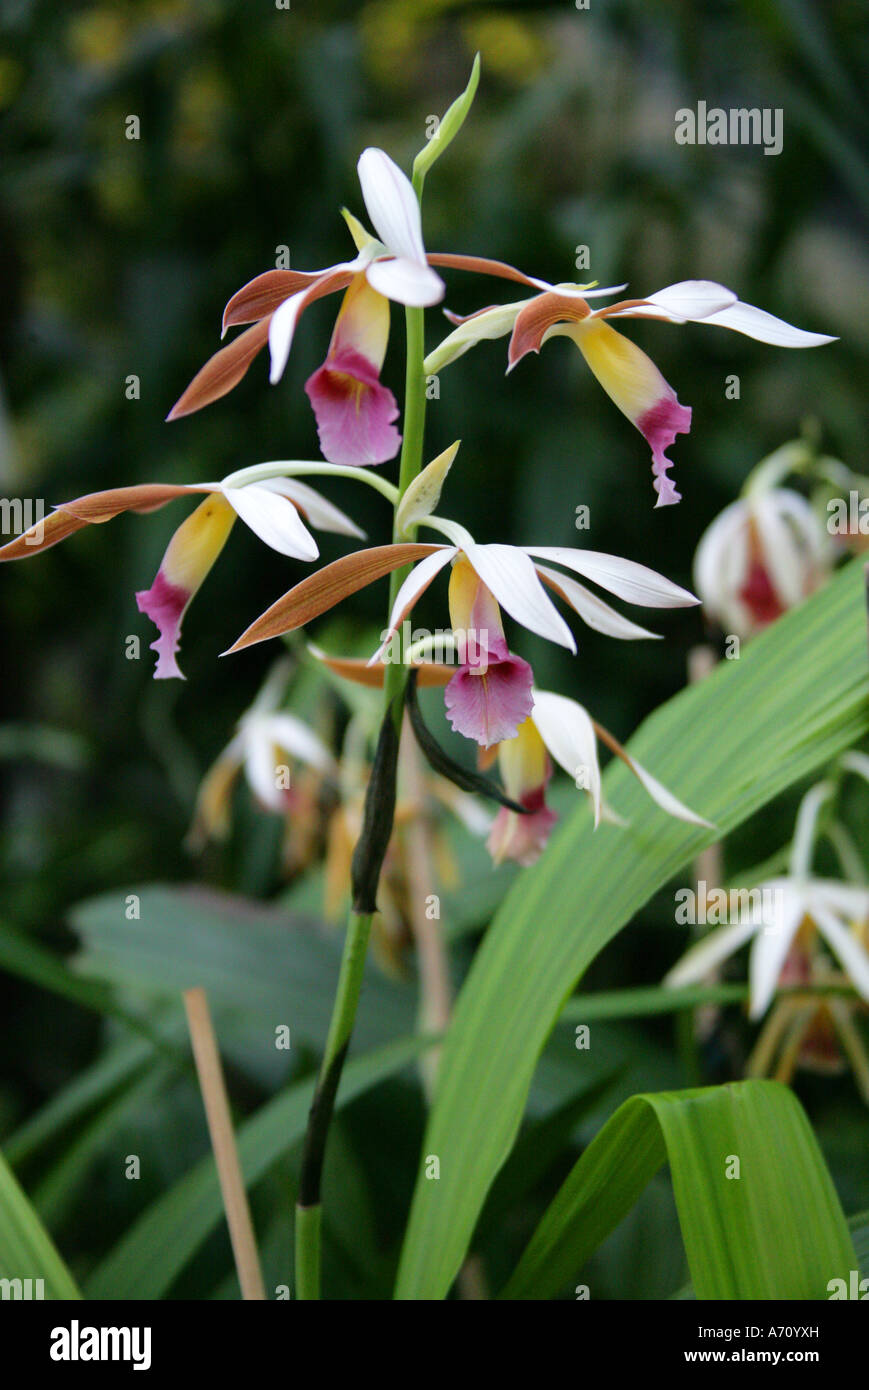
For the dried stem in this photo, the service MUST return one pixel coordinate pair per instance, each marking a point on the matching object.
(213, 1088)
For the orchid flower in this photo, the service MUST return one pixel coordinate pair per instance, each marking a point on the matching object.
(806, 1029)
(489, 695)
(354, 411)
(763, 554)
(267, 739)
(834, 910)
(629, 377)
(271, 507)
(559, 729)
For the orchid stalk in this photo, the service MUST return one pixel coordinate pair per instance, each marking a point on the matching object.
(380, 804)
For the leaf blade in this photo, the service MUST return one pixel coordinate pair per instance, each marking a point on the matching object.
(559, 914)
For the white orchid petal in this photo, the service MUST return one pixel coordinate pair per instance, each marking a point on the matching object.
(282, 327)
(295, 737)
(806, 829)
(579, 292)
(320, 512)
(261, 768)
(721, 555)
(406, 282)
(848, 899)
(609, 816)
(692, 299)
(511, 577)
(664, 798)
(593, 610)
(766, 328)
(845, 945)
(625, 578)
(281, 332)
(414, 585)
(784, 557)
(705, 955)
(772, 944)
(392, 204)
(568, 733)
(274, 519)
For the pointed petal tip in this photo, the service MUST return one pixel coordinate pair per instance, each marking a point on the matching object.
(668, 499)
(513, 359)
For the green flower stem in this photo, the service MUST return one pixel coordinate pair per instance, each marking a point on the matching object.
(308, 1207)
(411, 464)
(308, 1252)
(308, 1210)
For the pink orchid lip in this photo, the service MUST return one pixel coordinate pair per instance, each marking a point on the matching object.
(522, 838)
(488, 701)
(659, 426)
(165, 604)
(354, 411)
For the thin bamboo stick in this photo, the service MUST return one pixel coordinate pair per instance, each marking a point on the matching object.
(213, 1087)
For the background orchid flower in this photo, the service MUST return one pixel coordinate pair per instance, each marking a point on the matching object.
(835, 911)
(270, 507)
(629, 377)
(560, 729)
(354, 412)
(763, 554)
(812, 1026)
(267, 740)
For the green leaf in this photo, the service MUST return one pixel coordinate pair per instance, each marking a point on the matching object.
(57, 1191)
(21, 955)
(726, 747)
(26, 1250)
(770, 1230)
(649, 1000)
(157, 1247)
(252, 959)
(536, 1152)
(114, 1072)
(859, 1227)
(448, 128)
(55, 747)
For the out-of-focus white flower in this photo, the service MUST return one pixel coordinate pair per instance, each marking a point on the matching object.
(763, 554)
(801, 905)
(267, 741)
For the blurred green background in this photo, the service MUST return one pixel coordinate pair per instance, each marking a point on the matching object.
(117, 257)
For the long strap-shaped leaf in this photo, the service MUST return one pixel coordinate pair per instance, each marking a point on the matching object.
(758, 1212)
(796, 697)
(26, 1251)
(160, 1243)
